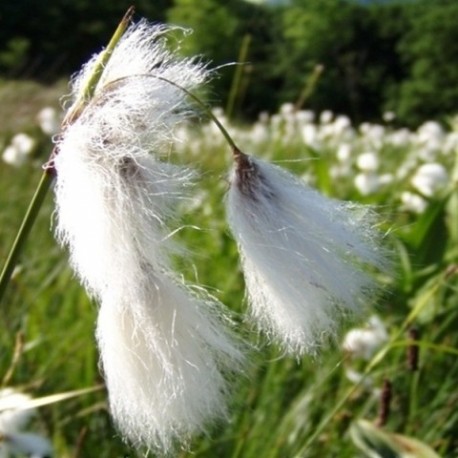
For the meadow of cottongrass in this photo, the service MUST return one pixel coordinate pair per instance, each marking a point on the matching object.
(282, 407)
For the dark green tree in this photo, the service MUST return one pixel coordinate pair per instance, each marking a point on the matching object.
(45, 40)
(354, 44)
(429, 51)
(399, 55)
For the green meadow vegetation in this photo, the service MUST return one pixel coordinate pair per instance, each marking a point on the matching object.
(282, 407)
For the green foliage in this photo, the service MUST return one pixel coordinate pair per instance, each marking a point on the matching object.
(14, 54)
(429, 50)
(60, 35)
(393, 56)
(282, 407)
(377, 56)
(353, 44)
(219, 29)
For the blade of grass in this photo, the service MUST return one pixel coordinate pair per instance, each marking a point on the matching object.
(239, 69)
(11, 403)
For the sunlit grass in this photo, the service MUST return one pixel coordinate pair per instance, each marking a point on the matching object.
(282, 407)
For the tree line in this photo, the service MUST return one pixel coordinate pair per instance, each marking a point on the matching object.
(361, 59)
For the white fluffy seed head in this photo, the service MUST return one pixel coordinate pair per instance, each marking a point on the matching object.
(144, 50)
(305, 257)
(131, 106)
(111, 210)
(27, 444)
(364, 342)
(165, 358)
(165, 350)
(111, 191)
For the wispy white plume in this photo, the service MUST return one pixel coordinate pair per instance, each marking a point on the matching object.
(164, 358)
(305, 257)
(165, 348)
(131, 106)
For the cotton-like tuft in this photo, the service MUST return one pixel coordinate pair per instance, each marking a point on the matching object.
(165, 347)
(164, 360)
(306, 258)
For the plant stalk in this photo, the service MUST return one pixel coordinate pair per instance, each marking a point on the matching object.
(24, 231)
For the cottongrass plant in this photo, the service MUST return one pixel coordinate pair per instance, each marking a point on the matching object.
(165, 347)
(306, 258)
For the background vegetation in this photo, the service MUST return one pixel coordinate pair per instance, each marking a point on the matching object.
(376, 56)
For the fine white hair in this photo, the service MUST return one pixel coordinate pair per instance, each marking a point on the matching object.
(306, 258)
(165, 347)
(164, 360)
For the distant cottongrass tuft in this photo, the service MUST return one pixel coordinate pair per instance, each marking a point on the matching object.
(165, 347)
(430, 178)
(15, 414)
(19, 150)
(364, 342)
(305, 257)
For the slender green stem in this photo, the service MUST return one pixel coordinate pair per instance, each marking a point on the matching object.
(88, 91)
(24, 230)
(47, 177)
(413, 401)
(206, 109)
(236, 83)
(309, 87)
(89, 88)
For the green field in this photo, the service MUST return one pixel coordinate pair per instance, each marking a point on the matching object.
(282, 407)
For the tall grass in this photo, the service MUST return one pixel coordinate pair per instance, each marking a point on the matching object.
(282, 407)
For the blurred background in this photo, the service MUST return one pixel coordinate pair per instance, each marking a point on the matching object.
(372, 56)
